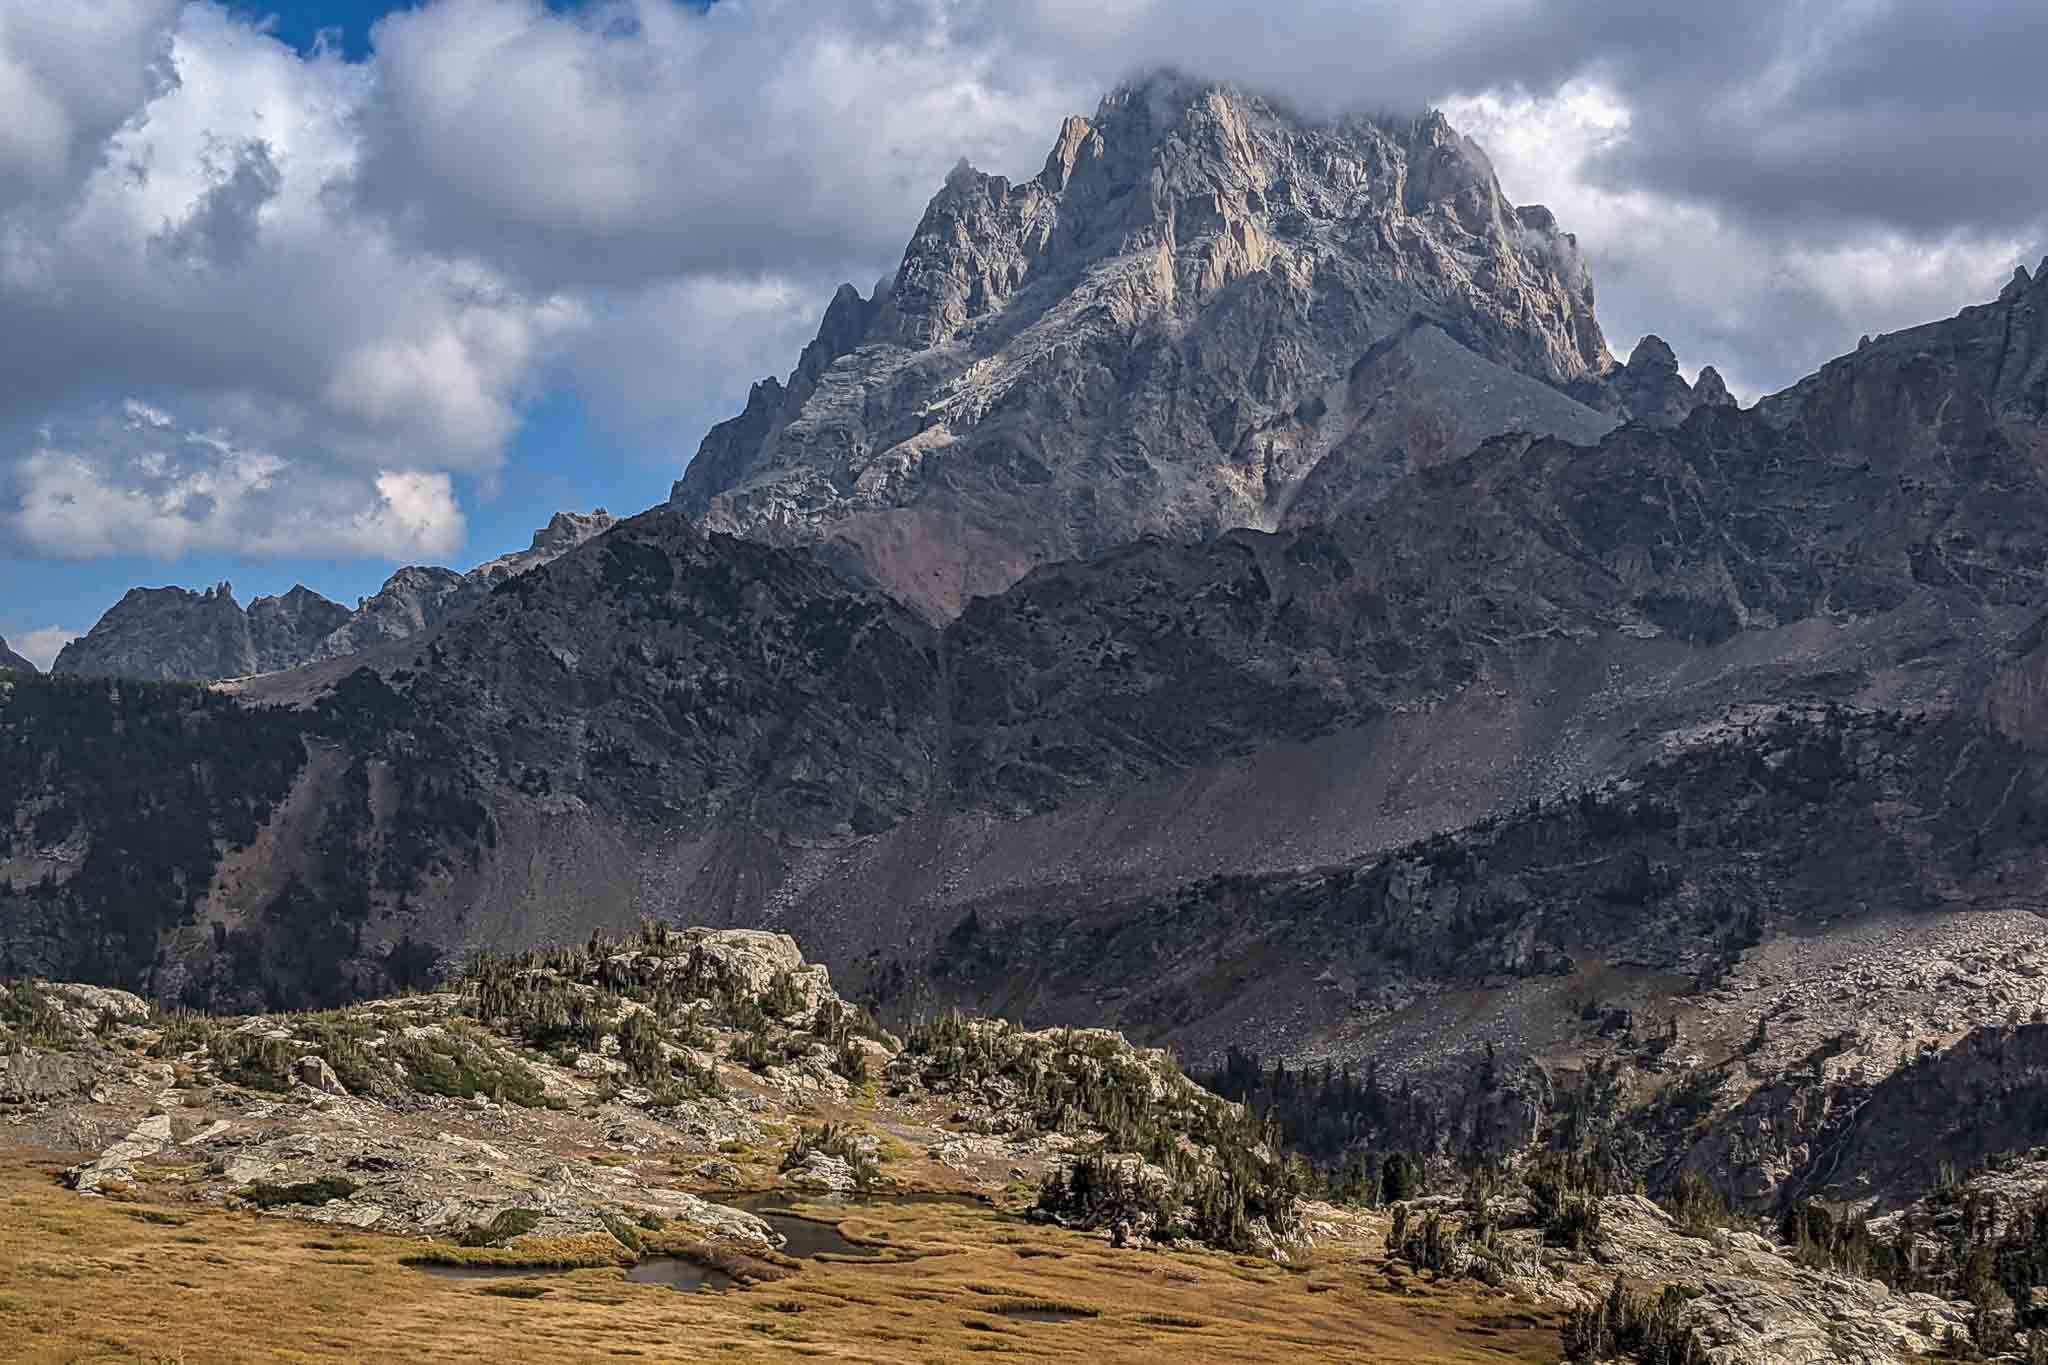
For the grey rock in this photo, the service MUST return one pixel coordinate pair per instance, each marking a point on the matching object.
(1418, 399)
(818, 1171)
(117, 1163)
(313, 1071)
(1755, 1304)
(33, 1077)
(415, 599)
(174, 634)
(85, 1008)
(1710, 390)
(10, 660)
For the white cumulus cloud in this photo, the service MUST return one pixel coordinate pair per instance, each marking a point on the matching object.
(144, 485)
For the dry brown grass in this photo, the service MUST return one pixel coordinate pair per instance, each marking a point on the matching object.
(95, 1280)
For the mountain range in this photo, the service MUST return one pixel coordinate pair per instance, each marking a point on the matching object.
(179, 635)
(1222, 587)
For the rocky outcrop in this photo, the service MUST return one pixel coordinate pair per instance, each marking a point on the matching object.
(10, 660)
(1754, 1303)
(165, 634)
(172, 634)
(415, 599)
(646, 1056)
(285, 631)
(418, 599)
(1649, 388)
(33, 1077)
(48, 1048)
(1158, 333)
(1894, 398)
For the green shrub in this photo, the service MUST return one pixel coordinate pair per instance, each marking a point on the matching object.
(1628, 1327)
(183, 1031)
(1079, 1082)
(253, 1060)
(268, 1196)
(1697, 1207)
(1564, 1196)
(28, 1018)
(461, 1066)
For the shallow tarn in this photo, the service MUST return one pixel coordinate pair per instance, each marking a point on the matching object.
(1046, 1314)
(673, 1271)
(679, 1274)
(483, 1272)
(809, 1235)
(807, 1239)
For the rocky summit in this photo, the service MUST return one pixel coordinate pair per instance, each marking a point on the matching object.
(172, 633)
(1581, 836)
(1199, 315)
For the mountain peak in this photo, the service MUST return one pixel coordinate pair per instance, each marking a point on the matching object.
(1077, 139)
(1149, 335)
(165, 633)
(567, 530)
(1653, 355)
(1711, 390)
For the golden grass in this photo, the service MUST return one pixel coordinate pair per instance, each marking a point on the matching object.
(155, 1280)
(538, 1253)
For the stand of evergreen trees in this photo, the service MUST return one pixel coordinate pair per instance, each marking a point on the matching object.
(1961, 1252)
(1222, 1169)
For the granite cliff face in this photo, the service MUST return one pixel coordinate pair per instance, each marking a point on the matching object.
(9, 659)
(172, 634)
(1200, 311)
